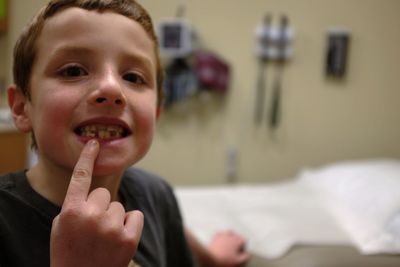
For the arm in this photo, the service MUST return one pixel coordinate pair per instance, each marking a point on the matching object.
(226, 249)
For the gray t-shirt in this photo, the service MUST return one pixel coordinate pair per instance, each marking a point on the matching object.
(26, 218)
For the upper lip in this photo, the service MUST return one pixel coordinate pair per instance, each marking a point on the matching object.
(105, 121)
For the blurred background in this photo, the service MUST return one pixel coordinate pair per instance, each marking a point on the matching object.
(212, 137)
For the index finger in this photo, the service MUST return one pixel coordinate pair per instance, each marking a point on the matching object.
(81, 179)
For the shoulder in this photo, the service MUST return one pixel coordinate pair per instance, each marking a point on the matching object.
(162, 237)
(148, 189)
(8, 181)
(144, 181)
(10, 194)
(151, 193)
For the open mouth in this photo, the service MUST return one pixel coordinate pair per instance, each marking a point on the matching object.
(101, 131)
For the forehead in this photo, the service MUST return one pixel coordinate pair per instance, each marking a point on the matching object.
(92, 29)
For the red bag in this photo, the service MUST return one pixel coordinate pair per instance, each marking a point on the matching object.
(211, 71)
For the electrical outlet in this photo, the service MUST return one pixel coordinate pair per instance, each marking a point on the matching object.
(231, 164)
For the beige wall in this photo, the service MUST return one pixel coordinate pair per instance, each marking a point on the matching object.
(20, 12)
(322, 120)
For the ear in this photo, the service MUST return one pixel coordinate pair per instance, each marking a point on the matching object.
(19, 106)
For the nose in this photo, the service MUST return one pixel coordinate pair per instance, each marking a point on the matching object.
(108, 91)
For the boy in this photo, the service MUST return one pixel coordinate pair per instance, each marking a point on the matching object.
(88, 87)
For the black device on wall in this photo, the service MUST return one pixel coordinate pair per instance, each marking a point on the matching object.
(337, 52)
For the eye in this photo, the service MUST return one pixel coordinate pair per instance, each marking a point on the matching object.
(133, 78)
(73, 71)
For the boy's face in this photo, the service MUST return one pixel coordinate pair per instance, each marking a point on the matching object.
(95, 75)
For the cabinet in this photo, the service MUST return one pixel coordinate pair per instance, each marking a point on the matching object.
(13, 151)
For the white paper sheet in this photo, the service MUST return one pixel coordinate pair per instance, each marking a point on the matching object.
(313, 208)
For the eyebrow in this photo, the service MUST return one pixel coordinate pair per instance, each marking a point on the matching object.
(71, 50)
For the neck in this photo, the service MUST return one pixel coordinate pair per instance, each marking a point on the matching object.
(52, 182)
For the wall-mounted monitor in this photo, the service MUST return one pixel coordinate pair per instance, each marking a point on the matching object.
(175, 38)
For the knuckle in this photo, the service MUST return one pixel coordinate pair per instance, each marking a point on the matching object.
(99, 193)
(94, 214)
(70, 213)
(138, 214)
(118, 206)
(54, 223)
(81, 173)
(104, 192)
(111, 232)
(86, 217)
(129, 242)
(115, 231)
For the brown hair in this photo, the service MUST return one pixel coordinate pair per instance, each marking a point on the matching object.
(25, 49)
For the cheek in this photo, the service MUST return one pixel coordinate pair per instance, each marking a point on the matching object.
(52, 119)
(143, 107)
(145, 124)
(144, 120)
(50, 132)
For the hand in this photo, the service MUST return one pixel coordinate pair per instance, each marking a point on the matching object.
(228, 250)
(90, 231)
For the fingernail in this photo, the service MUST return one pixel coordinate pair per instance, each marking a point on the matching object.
(93, 142)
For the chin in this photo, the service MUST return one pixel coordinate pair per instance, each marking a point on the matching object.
(102, 171)
(109, 168)
(111, 163)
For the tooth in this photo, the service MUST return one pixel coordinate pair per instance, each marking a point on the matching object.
(102, 134)
(102, 131)
(84, 130)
